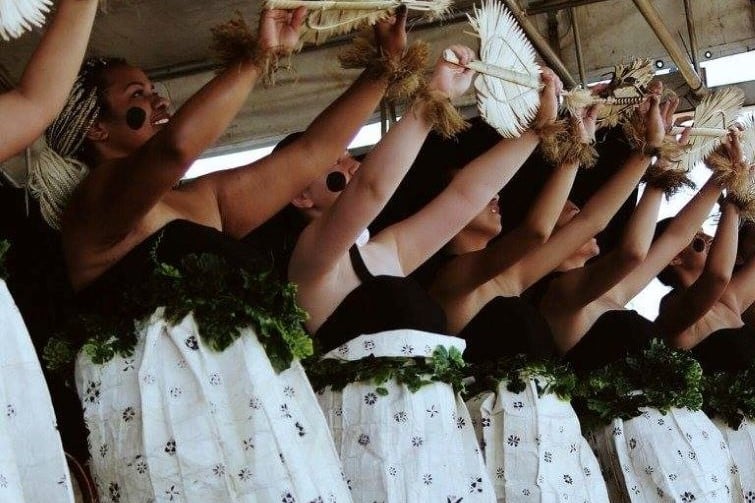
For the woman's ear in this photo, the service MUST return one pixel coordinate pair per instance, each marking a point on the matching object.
(97, 132)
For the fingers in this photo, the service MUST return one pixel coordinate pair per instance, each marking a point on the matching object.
(684, 137)
(655, 101)
(655, 87)
(400, 18)
(464, 55)
(297, 17)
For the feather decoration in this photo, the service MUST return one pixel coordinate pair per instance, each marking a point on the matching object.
(18, 16)
(328, 18)
(507, 105)
(628, 87)
(714, 111)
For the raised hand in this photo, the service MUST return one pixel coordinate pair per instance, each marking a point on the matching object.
(279, 29)
(453, 79)
(553, 87)
(655, 125)
(586, 123)
(390, 34)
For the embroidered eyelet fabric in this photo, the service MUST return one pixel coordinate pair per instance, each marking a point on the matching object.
(741, 444)
(405, 447)
(680, 456)
(32, 463)
(178, 421)
(534, 449)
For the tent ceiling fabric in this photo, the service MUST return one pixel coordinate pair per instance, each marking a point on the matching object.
(171, 37)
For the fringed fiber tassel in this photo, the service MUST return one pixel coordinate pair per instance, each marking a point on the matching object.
(233, 42)
(560, 146)
(404, 75)
(670, 180)
(438, 110)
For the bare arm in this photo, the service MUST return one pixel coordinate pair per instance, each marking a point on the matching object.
(683, 310)
(741, 292)
(48, 77)
(124, 191)
(329, 237)
(678, 235)
(250, 195)
(468, 271)
(583, 285)
(418, 237)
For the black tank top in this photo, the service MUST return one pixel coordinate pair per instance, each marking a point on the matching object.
(174, 241)
(378, 304)
(506, 326)
(613, 335)
(728, 349)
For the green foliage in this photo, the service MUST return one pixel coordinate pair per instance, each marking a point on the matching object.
(549, 376)
(445, 365)
(224, 300)
(658, 377)
(731, 396)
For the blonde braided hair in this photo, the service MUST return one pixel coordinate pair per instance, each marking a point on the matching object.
(57, 169)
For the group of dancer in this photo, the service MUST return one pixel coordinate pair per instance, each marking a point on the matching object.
(508, 370)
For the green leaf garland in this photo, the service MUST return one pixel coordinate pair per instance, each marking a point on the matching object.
(223, 298)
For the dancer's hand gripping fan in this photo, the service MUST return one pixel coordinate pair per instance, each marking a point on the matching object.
(328, 18)
(18, 16)
(713, 116)
(508, 88)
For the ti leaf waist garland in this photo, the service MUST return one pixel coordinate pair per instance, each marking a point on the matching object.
(445, 365)
(657, 377)
(223, 298)
(731, 396)
(550, 376)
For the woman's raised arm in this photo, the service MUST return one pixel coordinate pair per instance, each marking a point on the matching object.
(681, 311)
(40, 95)
(124, 190)
(418, 237)
(250, 195)
(336, 230)
(598, 210)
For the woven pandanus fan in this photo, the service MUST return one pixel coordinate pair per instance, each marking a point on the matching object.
(626, 89)
(509, 82)
(712, 116)
(18, 16)
(748, 136)
(328, 18)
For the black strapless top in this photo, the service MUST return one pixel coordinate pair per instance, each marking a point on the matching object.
(378, 304)
(506, 326)
(174, 241)
(729, 349)
(614, 334)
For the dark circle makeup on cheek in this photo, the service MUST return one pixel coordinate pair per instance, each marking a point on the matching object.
(336, 181)
(135, 118)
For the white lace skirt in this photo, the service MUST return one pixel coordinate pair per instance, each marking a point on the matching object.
(534, 449)
(180, 422)
(741, 444)
(32, 464)
(405, 447)
(680, 457)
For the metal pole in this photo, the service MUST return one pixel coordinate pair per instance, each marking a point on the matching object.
(541, 44)
(578, 46)
(653, 18)
(692, 34)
